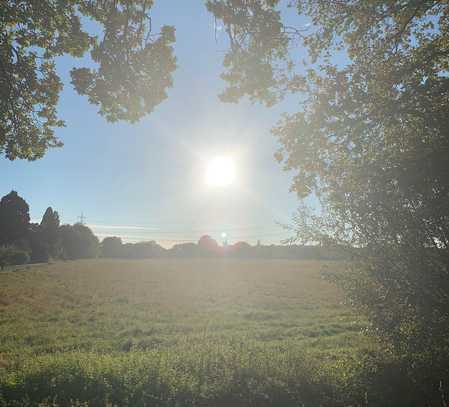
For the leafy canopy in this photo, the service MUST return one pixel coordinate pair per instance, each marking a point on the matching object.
(49, 231)
(370, 139)
(133, 66)
(78, 242)
(14, 219)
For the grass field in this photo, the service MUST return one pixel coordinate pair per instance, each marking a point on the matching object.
(165, 332)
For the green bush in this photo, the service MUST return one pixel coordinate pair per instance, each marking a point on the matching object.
(220, 377)
(10, 256)
(217, 375)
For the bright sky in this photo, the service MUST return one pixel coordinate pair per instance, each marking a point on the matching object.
(149, 181)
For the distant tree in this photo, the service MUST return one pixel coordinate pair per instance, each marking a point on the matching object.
(49, 230)
(133, 65)
(143, 250)
(78, 242)
(208, 245)
(241, 249)
(112, 247)
(12, 256)
(184, 250)
(241, 246)
(39, 250)
(14, 219)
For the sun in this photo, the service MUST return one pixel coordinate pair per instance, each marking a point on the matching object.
(220, 172)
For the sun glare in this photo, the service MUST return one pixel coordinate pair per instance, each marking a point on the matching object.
(220, 172)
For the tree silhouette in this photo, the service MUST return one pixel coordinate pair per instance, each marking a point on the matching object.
(112, 247)
(78, 242)
(37, 245)
(208, 245)
(184, 250)
(14, 219)
(49, 230)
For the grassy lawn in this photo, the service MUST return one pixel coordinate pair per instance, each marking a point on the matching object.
(179, 331)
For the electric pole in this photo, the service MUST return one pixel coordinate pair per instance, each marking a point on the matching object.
(82, 218)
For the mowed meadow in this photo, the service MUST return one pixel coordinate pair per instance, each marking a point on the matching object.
(167, 332)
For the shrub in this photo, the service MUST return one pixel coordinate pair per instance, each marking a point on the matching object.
(12, 256)
(221, 377)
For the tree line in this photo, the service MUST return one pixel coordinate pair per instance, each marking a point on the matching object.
(22, 241)
(113, 247)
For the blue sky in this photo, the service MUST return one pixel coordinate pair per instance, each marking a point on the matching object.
(146, 181)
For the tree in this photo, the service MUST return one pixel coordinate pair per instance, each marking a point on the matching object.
(134, 66)
(370, 141)
(12, 256)
(184, 250)
(241, 249)
(142, 250)
(112, 247)
(37, 245)
(49, 230)
(14, 219)
(78, 242)
(258, 62)
(208, 245)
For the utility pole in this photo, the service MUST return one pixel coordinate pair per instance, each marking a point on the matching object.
(82, 218)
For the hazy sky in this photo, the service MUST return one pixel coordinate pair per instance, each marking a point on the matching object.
(146, 181)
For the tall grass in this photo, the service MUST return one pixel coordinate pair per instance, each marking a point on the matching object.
(178, 333)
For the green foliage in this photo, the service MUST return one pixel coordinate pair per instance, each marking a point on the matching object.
(49, 228)
(37, 245)
(135, 66)
(370, 141)
(142, 250)
(78, 242)
(215, 376)
(12, 256)
(46, 239)
(258, 61)
(225, 374)
(112, 247)
(14, 219)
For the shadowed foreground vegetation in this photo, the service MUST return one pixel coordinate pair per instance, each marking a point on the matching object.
(207, 332)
